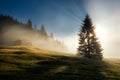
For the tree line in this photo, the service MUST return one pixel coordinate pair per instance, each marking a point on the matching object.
(89, 44)
(14, 32)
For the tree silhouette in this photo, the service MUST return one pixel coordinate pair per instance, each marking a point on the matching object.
(35, 27)
(89, 45)
(51, 35)
(29, 24)
(12, 31)
(43, 31)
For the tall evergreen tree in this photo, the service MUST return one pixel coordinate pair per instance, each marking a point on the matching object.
(29, 24)
(43, 31)
(51, 35)
(89, 45)
(35, 27)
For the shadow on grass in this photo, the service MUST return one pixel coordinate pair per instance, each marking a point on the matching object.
(61, 68)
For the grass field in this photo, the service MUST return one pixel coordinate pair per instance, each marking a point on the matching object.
(23, 63)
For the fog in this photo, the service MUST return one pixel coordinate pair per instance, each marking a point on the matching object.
(19, 36)
(71, 41)
(106, 17)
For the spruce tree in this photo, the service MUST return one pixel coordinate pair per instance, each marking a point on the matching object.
(29, 24)
(43, 31)
(89, 45)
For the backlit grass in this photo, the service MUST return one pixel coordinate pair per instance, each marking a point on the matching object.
(22, 63)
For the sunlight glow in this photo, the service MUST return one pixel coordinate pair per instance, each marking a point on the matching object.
(100, 33)
(107, 23)
(71, 42)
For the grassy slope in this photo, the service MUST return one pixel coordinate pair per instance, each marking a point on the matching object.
(22, 63)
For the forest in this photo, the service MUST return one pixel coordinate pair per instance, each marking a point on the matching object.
(15, 33)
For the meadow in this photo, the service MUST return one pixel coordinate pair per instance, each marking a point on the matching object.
(28, 63)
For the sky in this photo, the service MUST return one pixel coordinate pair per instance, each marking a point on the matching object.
(64, 18)
(106, 17)
(59, 16)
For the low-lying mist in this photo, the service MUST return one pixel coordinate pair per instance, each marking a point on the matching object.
(16, 35)
(71, 41)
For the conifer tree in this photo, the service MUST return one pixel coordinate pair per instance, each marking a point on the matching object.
(35, 27)
(43, 31)
(89, 45)
(29, 24)
(51, 35)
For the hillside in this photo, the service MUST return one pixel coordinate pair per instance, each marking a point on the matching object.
(22, 63)
(16, 33)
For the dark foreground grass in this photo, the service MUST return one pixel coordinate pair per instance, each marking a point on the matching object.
(29, 66)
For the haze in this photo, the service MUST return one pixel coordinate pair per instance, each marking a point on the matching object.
(106, 17)
(64, 18)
